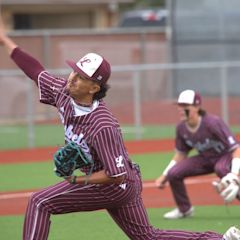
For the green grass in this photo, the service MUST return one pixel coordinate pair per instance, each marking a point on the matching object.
(13, 137)
(98, 225)
(38, 175)
(16, 136)
(80, 225)
(26, 176)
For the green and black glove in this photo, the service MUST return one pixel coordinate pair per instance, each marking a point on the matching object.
(69, 158)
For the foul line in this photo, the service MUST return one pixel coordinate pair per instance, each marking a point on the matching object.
(188, 182)
(7, 196)
(15, 195)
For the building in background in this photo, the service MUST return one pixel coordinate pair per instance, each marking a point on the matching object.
(55, 14)
(205, 31)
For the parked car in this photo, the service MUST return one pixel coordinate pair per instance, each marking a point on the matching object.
(144, 18)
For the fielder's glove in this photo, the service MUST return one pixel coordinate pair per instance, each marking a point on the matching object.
(69, 158)
(228, 187)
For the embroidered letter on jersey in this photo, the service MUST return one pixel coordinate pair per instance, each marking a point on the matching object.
(78, 139)
(119, 161)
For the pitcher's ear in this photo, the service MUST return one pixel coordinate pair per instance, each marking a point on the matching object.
(95, 88)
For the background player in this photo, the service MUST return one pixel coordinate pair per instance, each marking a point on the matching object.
(218, 151)
(115, 184)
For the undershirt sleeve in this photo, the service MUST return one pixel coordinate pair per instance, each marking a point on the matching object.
(48, 85)
(29, 65)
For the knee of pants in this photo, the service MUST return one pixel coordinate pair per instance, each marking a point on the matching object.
(220, 171)
(36, 199)
(173, 176)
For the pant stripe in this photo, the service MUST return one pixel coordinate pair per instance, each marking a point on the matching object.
(44, 200)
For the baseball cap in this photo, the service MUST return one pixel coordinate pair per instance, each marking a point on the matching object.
(189, 97)
(92, 66)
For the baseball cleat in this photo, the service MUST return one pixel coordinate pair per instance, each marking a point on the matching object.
(232, 233)
(177, 214)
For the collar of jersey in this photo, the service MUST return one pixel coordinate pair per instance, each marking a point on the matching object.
(81, 110)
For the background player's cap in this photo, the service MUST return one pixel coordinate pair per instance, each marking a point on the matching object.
(189, 97)
(92, 66)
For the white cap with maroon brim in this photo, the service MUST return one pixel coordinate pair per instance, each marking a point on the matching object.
(92, 66)
(189, 97)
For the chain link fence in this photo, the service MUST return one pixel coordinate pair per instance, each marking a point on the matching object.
(144, 84)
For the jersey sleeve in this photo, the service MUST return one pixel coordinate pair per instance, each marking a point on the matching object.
(109, 148)
(223, 133)
(180, 143)
(49, 86)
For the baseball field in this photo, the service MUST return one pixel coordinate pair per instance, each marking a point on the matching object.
(24, 171)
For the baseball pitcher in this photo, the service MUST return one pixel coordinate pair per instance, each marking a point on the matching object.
(93, 144)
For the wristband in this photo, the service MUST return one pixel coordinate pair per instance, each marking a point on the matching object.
(235, 168)
(86, 179)
(169, 166)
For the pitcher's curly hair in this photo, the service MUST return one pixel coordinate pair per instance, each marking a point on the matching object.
(102, 92)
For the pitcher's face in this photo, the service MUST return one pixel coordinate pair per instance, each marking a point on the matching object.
(79, 87)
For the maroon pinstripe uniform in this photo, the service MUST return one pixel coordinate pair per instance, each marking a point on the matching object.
(98, 133)
(214, 142)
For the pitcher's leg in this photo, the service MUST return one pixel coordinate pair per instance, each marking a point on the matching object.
(37, 216)
(58, 199)
(36, 225)
(65, 198)
(133, 220)
(183, 235)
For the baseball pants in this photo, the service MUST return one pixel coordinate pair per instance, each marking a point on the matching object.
(194, 166)
(124, 206)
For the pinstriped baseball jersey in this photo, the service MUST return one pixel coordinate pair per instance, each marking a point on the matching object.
(98, 133)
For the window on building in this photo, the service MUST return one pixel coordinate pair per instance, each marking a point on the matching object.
(22, 21)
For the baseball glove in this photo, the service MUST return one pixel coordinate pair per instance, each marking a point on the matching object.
(69, 158)
(228, 187)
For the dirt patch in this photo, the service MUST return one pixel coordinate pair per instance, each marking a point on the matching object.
(15, 203)
(45, 154)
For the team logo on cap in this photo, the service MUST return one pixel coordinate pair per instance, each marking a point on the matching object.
(90, 63)
(84, 61)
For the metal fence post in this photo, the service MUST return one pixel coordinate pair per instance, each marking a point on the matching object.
(137, 104)
(30, 118)
(224, 93)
